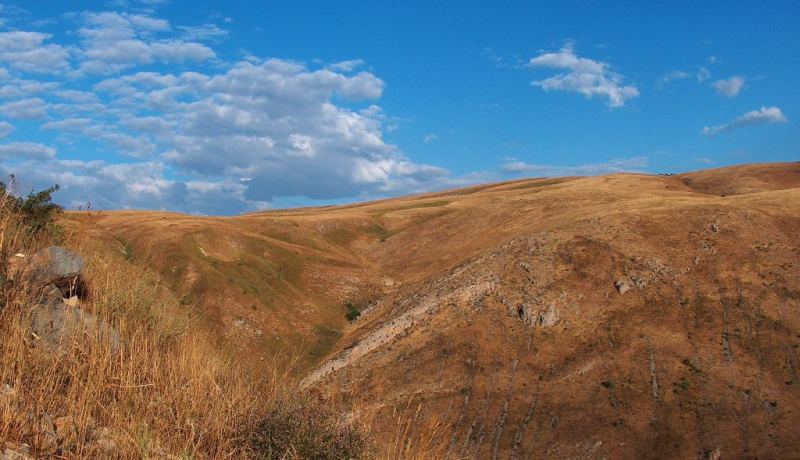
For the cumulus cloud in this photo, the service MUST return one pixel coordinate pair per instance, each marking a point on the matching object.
(27, 52)
(112, 42)
(17, 88)
(206, 136)
(582, 75)
(729, 87)
(347, 66)
(753, 117)
(635, 164)
(25, 109)
(129, 186)
(27, 150)
(430, 138)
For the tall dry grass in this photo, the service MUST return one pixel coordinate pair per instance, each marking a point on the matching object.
(170, 389)
(167, 390)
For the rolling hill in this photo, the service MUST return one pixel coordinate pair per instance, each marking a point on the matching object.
(627, 315)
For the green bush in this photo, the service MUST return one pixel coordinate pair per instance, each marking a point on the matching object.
(352, 311)
(37, 211)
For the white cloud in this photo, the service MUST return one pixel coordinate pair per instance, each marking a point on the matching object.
(81, 97)
(701, 74)
(27, 150)
(668, 78)
(634, 164)
(110, 135)
(26, 109)
(729, 87)
(131, 186)
(17, 88)
(430, 138)
(760, 116)
(203, 32)
(347, 66)
(27, 52)
(218, 138)
(6, 128)
(180, 51)
(585, 76)
(112, 42)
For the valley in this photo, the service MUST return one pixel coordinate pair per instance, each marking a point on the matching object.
(626, 315)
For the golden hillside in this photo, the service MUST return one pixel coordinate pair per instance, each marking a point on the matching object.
(627, 315)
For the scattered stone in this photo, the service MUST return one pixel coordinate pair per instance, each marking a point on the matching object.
(714, 228)
(549, 317)
(525, 313)
(622, 286)
(771, 406)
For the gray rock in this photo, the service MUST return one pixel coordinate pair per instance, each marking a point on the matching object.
(53, 265)
(54, 321)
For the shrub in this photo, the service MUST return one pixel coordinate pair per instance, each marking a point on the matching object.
(352, 311)
(306, 431)
(36, 211)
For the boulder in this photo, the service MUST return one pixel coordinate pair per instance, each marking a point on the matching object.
(53, 265)
(54, 321)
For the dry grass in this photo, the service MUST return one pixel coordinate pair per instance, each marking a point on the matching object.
(416, 436)
(169, 390)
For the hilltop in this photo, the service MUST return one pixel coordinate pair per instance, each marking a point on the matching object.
(624, 315)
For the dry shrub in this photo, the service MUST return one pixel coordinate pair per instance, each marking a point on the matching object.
(307, 430)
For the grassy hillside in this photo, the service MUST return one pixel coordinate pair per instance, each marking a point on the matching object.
(574, 317)
(165, 385)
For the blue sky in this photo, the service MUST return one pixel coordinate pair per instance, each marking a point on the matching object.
(226, 107)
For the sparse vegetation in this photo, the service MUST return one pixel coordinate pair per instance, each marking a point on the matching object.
(353, 311)
(172, 389)
(308, 430)
(35, 213)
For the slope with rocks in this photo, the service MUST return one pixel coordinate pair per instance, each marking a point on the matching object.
(625, 315)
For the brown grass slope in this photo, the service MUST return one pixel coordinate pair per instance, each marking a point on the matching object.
(494, 308)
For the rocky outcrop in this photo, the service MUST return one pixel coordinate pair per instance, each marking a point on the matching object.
(51, 266)
(51, 275)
